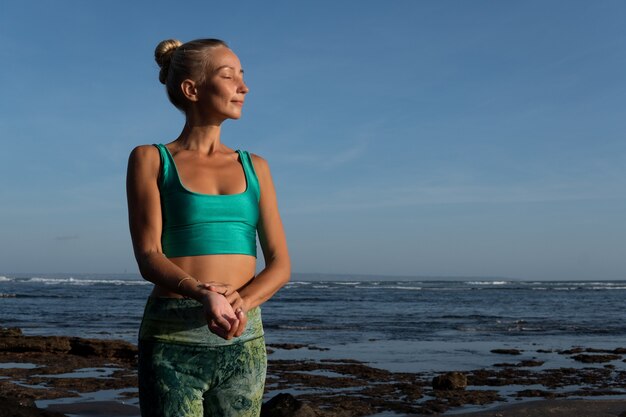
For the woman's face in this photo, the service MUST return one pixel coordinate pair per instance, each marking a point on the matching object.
(223, 94)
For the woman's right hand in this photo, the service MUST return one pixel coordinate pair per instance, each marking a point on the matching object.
(220, 316)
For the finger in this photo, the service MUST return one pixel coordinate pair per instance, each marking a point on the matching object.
(233, 329)
(225, 290)
(214, 328)
(232, 296)
(237, 304)
(220, 289)
(243, 321)
(222, 322)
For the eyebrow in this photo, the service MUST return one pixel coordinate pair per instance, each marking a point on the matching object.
(228, 66)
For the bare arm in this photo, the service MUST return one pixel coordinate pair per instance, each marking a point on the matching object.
(144, 215)
(273, 242)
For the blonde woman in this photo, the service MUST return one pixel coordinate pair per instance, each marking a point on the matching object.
(195, 207)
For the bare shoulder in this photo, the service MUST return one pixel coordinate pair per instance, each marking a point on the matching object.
(144, 153)
(144, 164)
(261, 166)
(145, 156)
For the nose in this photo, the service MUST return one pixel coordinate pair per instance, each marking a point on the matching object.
(243, 88)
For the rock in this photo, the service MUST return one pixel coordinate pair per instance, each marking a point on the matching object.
(530, 393)
(96, 408)
(617, 351)
(325, 387)
(310, 347)
(23, 408)
(102, 348)
(286, 405)
(287, 346)
(595, 358)
(460, 398)
(450, 381)
(15, 342)
(342, 361)
(10, 331)
(530, 363)
(507, 351)
(290, 346)
(54, 344)
(523, 364)
(571, 351)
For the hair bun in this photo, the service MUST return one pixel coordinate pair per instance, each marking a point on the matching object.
(163, 56)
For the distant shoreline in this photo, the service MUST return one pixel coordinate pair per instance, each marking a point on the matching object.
(314, 276)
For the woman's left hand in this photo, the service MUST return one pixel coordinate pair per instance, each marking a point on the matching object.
(233, 298)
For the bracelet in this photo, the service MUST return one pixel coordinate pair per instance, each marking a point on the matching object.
(183, 279)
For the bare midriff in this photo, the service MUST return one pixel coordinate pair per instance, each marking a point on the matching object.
(232, 269)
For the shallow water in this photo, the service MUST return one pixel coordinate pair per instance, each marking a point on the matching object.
(408, 325)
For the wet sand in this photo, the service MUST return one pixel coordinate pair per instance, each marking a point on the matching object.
(92, 377)
(539, 408)
(557, 408)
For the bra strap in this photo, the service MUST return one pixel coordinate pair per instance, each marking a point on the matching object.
(246, 159)
(164, 171)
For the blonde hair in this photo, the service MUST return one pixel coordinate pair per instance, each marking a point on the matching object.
(179, 62)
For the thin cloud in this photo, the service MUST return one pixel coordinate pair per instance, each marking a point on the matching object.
(354, 199)
(331, 160)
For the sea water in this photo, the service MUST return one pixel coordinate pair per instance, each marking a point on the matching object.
(409, 325)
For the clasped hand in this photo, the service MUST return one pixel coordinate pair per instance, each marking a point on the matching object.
(224, 310)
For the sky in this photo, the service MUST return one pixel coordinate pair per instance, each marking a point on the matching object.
(410, 138)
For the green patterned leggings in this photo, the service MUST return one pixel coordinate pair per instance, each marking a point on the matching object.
(198, 379)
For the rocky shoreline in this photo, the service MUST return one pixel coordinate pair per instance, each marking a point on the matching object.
(54, 367)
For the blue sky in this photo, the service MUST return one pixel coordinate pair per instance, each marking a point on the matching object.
(440, 138)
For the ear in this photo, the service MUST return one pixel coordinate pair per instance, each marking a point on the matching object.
(189, 89)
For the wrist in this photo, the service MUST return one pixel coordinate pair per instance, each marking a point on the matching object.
(247, 304)
(189, 287)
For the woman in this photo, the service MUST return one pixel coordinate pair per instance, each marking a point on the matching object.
(195, 206)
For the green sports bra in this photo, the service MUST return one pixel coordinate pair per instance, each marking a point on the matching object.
(207, 224)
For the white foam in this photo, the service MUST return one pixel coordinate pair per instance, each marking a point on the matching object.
(74, 281)
(487, 282)
(3, 278)
(609, 288)
(392, 287)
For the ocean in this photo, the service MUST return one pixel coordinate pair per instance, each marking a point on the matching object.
(404, 325)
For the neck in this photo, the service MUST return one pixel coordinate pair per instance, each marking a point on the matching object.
(201, 137)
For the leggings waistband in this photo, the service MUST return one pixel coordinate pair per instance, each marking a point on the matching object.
(182, 321)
